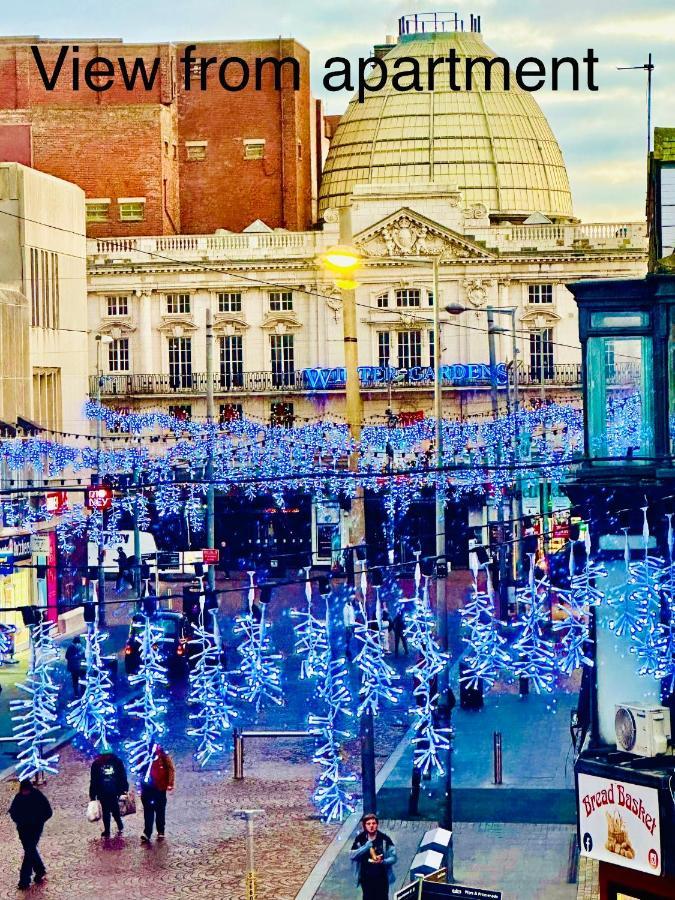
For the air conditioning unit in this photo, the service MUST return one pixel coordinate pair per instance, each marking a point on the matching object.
(642, 728)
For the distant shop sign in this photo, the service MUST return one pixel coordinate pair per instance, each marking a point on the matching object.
(322, 378)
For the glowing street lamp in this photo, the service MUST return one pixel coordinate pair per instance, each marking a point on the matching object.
(342, 261)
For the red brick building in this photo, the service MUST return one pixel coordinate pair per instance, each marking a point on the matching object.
(166, 160)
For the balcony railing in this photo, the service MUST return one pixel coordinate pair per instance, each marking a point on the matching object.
(300, 381)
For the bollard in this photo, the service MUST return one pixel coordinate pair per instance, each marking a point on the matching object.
(238, 755)
(497, 746)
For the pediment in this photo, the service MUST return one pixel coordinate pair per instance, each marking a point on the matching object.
(117, 329)
(281, 322)
(224, 323)
(540, 318)
(407, 233)
(177, 326)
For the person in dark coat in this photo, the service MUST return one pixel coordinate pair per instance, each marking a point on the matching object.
(373, 856)
(161, 777)
(74, 657)
(398, 626)
(29, 811)
(122, 569)
(107, 784)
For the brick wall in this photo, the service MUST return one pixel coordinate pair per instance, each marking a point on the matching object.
(121, 143)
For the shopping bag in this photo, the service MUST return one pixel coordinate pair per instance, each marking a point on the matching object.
(128, 803)
(93, 811)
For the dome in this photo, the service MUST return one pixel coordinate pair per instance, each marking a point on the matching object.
(495, 146)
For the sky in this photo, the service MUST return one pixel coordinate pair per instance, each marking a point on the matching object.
(603, 135)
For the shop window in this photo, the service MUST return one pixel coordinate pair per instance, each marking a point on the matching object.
(181, 411)
(231, 412)
(282, 415)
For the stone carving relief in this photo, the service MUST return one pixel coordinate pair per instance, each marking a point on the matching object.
(476, 291)
(475, 211)
(404, 235)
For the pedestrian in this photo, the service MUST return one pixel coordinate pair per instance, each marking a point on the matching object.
(224, 559)
(29, 811)
(349, 619)
(398, 626)
(122, 568)
(386, 629)
(256, 613)
(74, 657)
(373, 856)
(145, 577)
(161, 777)
(107, 784)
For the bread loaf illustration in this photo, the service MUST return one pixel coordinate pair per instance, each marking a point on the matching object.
(617, 837)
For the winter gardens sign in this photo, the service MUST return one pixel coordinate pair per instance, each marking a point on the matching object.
(457, 374)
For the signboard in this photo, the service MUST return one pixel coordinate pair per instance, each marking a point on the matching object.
(40, 544)
(210, 556)
(428, 888)
(56, 502)
(619, 823)
(319, 378)
(99, 498)
(6, 562)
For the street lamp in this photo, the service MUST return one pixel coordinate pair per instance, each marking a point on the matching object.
(100, 339)
(456, 309)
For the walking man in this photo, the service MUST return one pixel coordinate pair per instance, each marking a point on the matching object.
(373, 856)
(349, 620)
(107, 784)
(122, 569)
(74, 657)
(161, 778)
(398, 626)
(29, 811)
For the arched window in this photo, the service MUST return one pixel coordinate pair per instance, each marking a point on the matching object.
(382, 301)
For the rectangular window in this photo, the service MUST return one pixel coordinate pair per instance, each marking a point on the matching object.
(177, 303)
(229, 301)
(407, 297)
(34, 285)
(383, 349)
(281, 301)
(432, 348)
(541, 354)
(180, 362)
(610, 359)
(282, 415)
(132, 209)
(181, 411)
(97, 211)
(118, 355)
(430, 298)
(540, 293)
(283, 360)
(667, 203)
(383, 300)
(44, 273)
(409, 349)
(117, 306)
(231, 412)
(231, 361)
(195, 150)
(254, 149)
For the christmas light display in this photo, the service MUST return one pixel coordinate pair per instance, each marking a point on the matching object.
(488, 658)
(258, 669)
(574, 607)
(310, 643)
(210, 694)
(34, 716)
(93, 714)
(378, 678)
(535, 658)
(149, 707)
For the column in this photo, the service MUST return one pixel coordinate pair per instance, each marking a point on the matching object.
(144, 365)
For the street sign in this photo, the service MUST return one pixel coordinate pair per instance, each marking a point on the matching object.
(430, 891)
(40, 544)
(56, 502)
(413, 891)
(99, 498)
(6, 562)
(210, 556)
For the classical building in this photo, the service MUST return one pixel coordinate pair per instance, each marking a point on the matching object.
(157, 158)
(474, 178)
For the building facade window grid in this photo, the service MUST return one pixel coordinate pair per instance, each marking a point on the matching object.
(177, 304)
(541, 354)
(383, 348)
(282, 351)
(229, 301)
(44, 273)
(281, 301)
(540, 293)
(97, 211)
(407, 297)
(118, 355)
(180, 361)
(132, 211)
(409, 349)
(231, 361)
(117, 306)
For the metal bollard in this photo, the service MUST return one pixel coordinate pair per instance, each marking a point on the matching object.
(498, 759)
(238, 755)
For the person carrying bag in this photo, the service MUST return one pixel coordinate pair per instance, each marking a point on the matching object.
(160, 778)
(108, 784)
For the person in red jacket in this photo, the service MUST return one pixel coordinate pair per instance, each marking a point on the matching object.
(160, 778)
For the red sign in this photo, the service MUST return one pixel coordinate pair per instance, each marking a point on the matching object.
(56, 502)
(410, 418)
(210, 557)
(99, 498)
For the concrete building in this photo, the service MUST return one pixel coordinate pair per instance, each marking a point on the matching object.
(163, 159)
(43, 277)
(475, 178)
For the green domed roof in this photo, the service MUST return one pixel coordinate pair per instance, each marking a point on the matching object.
(495, 146)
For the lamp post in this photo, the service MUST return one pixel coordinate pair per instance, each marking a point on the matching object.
(100, 573)
(210, 491)
(492, 311)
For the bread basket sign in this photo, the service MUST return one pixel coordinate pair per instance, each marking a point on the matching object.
(619, 823)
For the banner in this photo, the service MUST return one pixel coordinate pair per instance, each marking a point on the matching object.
(619, 823)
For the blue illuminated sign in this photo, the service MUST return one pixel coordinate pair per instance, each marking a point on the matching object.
(319, 379)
